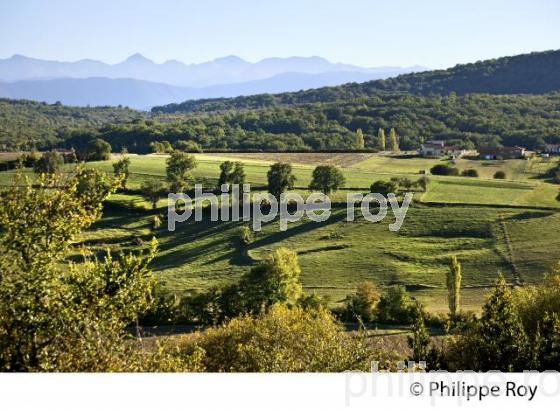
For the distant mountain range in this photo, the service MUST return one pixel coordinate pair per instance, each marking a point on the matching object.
(140, 83)
(225, 70)
(533, 73)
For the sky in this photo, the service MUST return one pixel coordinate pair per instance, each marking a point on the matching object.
(432, 33)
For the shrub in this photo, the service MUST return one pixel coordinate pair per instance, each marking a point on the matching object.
(49, 163)
(97, 150)
(281, 339)
(245, 235)
(188, 146)
(500, 175)
(446, 170)
(362, 305)
(473, 173)
(384, 187)
(396, 306)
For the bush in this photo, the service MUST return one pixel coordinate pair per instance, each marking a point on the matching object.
(473, 173)
(363, 304)
(97, 150)
(444, 170)
(245, 235)
(396, 306)
(281, 339)
(500, 175)
(50, 163)
(384, 187)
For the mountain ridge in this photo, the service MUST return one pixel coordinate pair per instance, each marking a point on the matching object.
(532, 73)
(223, 70)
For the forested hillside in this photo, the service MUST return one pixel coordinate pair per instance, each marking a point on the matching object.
(28, 124)
(534, 73)
(471, 120)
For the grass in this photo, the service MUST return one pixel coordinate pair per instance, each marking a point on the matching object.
(491, 225)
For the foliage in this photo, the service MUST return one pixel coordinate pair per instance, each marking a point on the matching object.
(381, 141)
(96, 149)
(396, 306)
(188, 146)
(327, 179)
(453, 282)
(245, 235)
(473, 173)
(27, 125)
(231, 173)
(161, 147)
(362, 305)
(179, 171)
(501, 339)
(152, 191)
(500, 175)
(282, 339)
(280, 178)
(57, 315)
(393, 141)
(121, 170)
(49, 163)
(360, 141)
(446, 170)
(384, 187)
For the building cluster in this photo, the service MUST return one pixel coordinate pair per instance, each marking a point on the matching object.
(437, 148)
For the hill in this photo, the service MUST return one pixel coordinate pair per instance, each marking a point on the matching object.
(28, 124)
(142, 95)
(534, 73)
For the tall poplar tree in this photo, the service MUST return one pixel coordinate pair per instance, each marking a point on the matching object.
(393, 140)
(360, 142)
(454, 285)
(381, 139)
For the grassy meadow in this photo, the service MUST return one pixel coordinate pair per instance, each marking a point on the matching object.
(507, 226)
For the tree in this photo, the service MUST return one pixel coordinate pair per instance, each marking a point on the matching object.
(188, 146)
(275, 280)
(238, 174)
(57, 315)
(500, 175)
(178, 170)
(501, 338)
(419, 342)
(360, 142)
(49, 163)
(326, 178)
(226, 168)
(453, 282)
(393, 140)
(152, 190)
(231, 173)
(395, 305)
(363, 304)
(381, 142)
(97, 150)
(383, 187)
(161, 147)
(546, 346)
(280, 178)
(120, 169)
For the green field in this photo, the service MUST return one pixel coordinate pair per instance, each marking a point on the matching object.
(507, 226)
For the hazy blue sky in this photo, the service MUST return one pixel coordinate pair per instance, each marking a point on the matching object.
(435, 33)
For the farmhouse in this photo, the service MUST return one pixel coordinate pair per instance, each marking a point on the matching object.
(552, 148)
(439, 149)
(502, 152)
